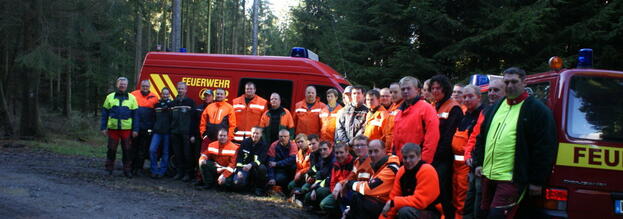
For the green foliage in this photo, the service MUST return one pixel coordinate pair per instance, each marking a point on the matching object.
(388, 39)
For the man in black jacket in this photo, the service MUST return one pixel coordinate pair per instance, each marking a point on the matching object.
(251, 163)
(515, 149)
(182, 126)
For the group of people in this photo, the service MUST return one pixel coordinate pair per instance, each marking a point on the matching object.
(411, 150)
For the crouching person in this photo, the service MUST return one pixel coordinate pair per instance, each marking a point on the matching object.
(341, 169)
(251, 162)
(320, 175)
(218, 161)
(369, 197)
(281, 162)
(416, 188)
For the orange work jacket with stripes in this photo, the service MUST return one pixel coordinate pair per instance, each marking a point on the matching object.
(215, 116)
(224, 155)
(328, 118)
(362, 170)
(376, 126)
(392, 112)
(307, 120)
(247, 115)
(382, 182)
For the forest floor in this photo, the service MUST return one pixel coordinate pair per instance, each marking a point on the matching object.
(64, 177)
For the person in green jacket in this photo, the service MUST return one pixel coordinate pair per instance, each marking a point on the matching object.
(119, 120)
(515, 150)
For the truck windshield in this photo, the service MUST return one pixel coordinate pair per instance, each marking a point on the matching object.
(595, 109)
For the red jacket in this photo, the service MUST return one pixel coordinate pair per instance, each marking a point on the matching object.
(307, 120)
(416, 123)
(418, 196)
(341, 171)
(223, 155)
(472, 138)
(247, 115)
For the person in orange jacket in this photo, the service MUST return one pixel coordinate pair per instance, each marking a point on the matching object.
(362, 168)
(377, 122)
(471, 100)
(386, 98)
(450, 114)
(249, 109)
(140, 144)
(218, 162)
(275, 119)
(415, 189)
(307, 113)
(396, 101)
(298, 184)
(328, 116)
(218, 115)
(415, 122)
(369, 197)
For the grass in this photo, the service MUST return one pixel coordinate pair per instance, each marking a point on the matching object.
(69, 147)
(77, 135)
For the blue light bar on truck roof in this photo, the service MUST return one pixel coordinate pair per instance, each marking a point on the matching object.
(585, 58)
(482, 81)
(303, 53)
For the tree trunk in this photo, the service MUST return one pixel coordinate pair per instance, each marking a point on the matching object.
(209, 26)
(67, 99)
(222, 38)
(30, 122)
(234, 27)
(138, 50)
(256, 5)
(176, 32)
(244, 28)
(6, 120)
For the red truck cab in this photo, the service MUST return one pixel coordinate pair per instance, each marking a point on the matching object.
(587, 177)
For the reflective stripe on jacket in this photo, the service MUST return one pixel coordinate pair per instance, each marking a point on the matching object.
(247, 115)
(307, 120)
(216, 116)
(377, 127)
(382, 182)
(224, 156)
(327, 132)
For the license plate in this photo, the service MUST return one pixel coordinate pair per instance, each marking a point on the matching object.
(618, 206)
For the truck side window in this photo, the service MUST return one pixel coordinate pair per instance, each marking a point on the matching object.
(594, 110)
(265, 87)
(540, 91)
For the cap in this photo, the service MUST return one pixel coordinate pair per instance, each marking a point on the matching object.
(207, 91)
(348, 89)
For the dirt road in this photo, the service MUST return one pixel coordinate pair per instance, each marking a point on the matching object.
(39, 184)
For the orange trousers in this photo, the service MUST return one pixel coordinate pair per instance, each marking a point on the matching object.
(460, 183)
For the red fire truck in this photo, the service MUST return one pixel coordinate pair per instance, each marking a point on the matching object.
(287, 76)
(587, 177)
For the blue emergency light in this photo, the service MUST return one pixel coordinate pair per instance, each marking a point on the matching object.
(303, 53)
(182, 49)
(585, 58)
